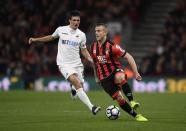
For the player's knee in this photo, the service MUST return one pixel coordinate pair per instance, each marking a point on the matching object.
(78, 85)
(119, 77)
(75, 81)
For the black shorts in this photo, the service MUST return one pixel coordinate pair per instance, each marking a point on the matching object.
(109, 86)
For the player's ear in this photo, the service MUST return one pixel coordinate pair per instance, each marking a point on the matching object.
(69, 20)
(106, 31)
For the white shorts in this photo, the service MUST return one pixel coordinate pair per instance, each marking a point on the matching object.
(67, 71)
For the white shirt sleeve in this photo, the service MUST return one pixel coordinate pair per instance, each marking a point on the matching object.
(56, 33)
(83, 42)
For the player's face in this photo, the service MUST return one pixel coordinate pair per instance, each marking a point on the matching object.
(74, 22)
(100, 32)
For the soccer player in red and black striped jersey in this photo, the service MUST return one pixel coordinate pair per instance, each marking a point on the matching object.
(108, 70)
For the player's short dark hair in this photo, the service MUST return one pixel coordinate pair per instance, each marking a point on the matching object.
(101, 24)
(73, 13)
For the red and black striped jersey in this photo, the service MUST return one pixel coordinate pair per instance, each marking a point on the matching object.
(106, 58)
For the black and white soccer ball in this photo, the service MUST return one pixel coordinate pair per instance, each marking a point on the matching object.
(112, 112)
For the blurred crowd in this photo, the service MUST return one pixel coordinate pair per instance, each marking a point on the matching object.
(21, 19)
(169, 58)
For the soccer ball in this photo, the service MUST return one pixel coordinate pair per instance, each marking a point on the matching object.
(112, 112)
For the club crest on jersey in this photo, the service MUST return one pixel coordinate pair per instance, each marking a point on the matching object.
(102, 59)
(107, 51)
(94, 51)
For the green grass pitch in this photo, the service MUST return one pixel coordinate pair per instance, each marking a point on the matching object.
(56, 111)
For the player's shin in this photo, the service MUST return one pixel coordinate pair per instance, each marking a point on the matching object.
(127, 91)
(126, 107)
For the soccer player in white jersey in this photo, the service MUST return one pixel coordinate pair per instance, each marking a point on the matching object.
(71, 42)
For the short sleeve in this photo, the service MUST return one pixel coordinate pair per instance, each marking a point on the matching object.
(118, 51)
(83, 42)
(56, 33)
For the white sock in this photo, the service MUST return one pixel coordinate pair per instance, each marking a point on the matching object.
(84, 98)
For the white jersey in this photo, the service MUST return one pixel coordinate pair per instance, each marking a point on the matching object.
(69, 44)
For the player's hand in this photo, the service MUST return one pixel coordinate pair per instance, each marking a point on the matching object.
(97, 80)
(138, 77)
(31, 40)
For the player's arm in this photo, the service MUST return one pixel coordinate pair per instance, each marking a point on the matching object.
(118, 51)
(87, 56)
(133, 65)
(45, 38)
(84, 50)
(41, 39)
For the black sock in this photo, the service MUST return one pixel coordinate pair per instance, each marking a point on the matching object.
(126, 107)
(127, 91)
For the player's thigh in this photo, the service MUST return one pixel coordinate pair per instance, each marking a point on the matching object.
(110, 87)
(73, 79)
(67, 71)
(72, 75)
(80, 73)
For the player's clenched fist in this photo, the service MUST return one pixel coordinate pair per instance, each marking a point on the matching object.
(31, 40)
